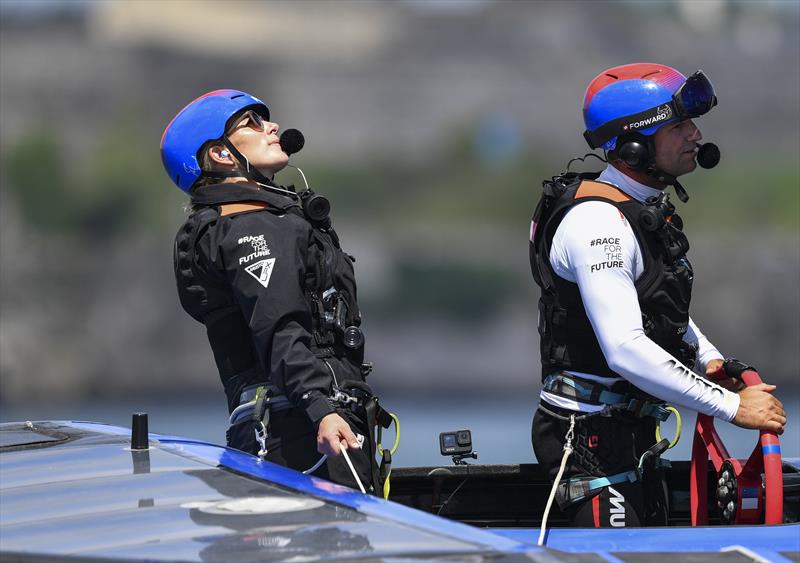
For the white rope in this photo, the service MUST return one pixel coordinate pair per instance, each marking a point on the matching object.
(352, 469)
(567, 452)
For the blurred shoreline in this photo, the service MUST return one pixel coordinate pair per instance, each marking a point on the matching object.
(429, 125)
(96, 323)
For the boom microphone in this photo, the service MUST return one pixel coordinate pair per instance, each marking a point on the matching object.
(292, 141)
(707, 155)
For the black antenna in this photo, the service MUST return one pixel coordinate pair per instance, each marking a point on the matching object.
(583, 159)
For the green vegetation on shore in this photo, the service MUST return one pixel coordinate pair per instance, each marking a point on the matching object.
(119, 187)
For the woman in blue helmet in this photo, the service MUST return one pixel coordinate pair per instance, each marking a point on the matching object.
(617, 341)
(262, 269)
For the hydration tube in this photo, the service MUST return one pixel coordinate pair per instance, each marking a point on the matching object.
(316, 466)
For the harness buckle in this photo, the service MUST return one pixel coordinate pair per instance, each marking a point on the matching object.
(261, 418)
(642, 407)
(261, 438)
(341, 397)
(652, 454)
(637, 406)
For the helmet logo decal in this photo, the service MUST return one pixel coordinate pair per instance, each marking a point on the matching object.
(191, 167)
(662, 114)
(262, 270)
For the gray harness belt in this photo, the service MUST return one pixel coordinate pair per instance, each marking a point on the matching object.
(572, 387)
(258, 402)
(255, 402)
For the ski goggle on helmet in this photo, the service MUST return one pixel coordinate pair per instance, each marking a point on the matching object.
(205, 119)
(641, 98)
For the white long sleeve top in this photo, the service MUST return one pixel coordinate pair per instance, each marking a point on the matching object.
(605, 275)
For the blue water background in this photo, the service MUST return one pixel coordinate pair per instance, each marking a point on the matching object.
(501, 426)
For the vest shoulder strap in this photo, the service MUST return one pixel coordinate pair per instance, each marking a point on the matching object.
(549, 214)
(227, 209)
(590, 188)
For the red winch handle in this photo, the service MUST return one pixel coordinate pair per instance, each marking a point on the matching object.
(766, 456)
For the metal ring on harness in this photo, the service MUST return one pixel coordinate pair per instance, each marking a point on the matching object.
(677, 427)
(741, 493)
(396, 435)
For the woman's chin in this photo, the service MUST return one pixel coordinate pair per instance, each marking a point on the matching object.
(269, 170)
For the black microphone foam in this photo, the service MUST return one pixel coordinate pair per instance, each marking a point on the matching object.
(707, 155)
(292, 141)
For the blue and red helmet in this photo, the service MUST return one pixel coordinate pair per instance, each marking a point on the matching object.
(202, 120)
(640, 98)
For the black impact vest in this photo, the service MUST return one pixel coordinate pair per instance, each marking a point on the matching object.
(207, 294)
(567, 340)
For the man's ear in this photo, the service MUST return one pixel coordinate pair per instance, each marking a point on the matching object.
(220, 155)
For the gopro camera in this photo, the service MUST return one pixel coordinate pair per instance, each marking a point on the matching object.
(455, 443)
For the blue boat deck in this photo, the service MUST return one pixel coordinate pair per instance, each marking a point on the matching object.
(74, 491)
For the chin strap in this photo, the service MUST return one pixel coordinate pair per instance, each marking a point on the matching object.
(251, 173)
(668, 179)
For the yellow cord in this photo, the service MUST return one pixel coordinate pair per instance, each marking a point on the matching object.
(386, 485)
(396, 435)
(677, 427)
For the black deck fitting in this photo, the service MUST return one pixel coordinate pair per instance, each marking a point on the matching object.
(140, 439)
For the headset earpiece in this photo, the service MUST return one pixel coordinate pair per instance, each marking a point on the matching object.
(634, 153)
(224, 153)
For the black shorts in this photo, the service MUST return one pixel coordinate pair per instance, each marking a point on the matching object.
(603, 446)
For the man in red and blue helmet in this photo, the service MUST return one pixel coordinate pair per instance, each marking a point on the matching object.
(617, 341)
(267, 277)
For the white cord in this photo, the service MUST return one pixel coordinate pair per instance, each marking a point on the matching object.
(316, 465)
(567, 452)
(333, 374)
(290, 193)
(352, 469)
(301, 173)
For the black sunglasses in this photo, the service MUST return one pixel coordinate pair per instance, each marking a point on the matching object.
(250, 119)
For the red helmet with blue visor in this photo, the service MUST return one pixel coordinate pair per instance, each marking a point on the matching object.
(202, 120)
(640, 98)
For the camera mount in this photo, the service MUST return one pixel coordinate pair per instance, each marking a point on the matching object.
(459, 459)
